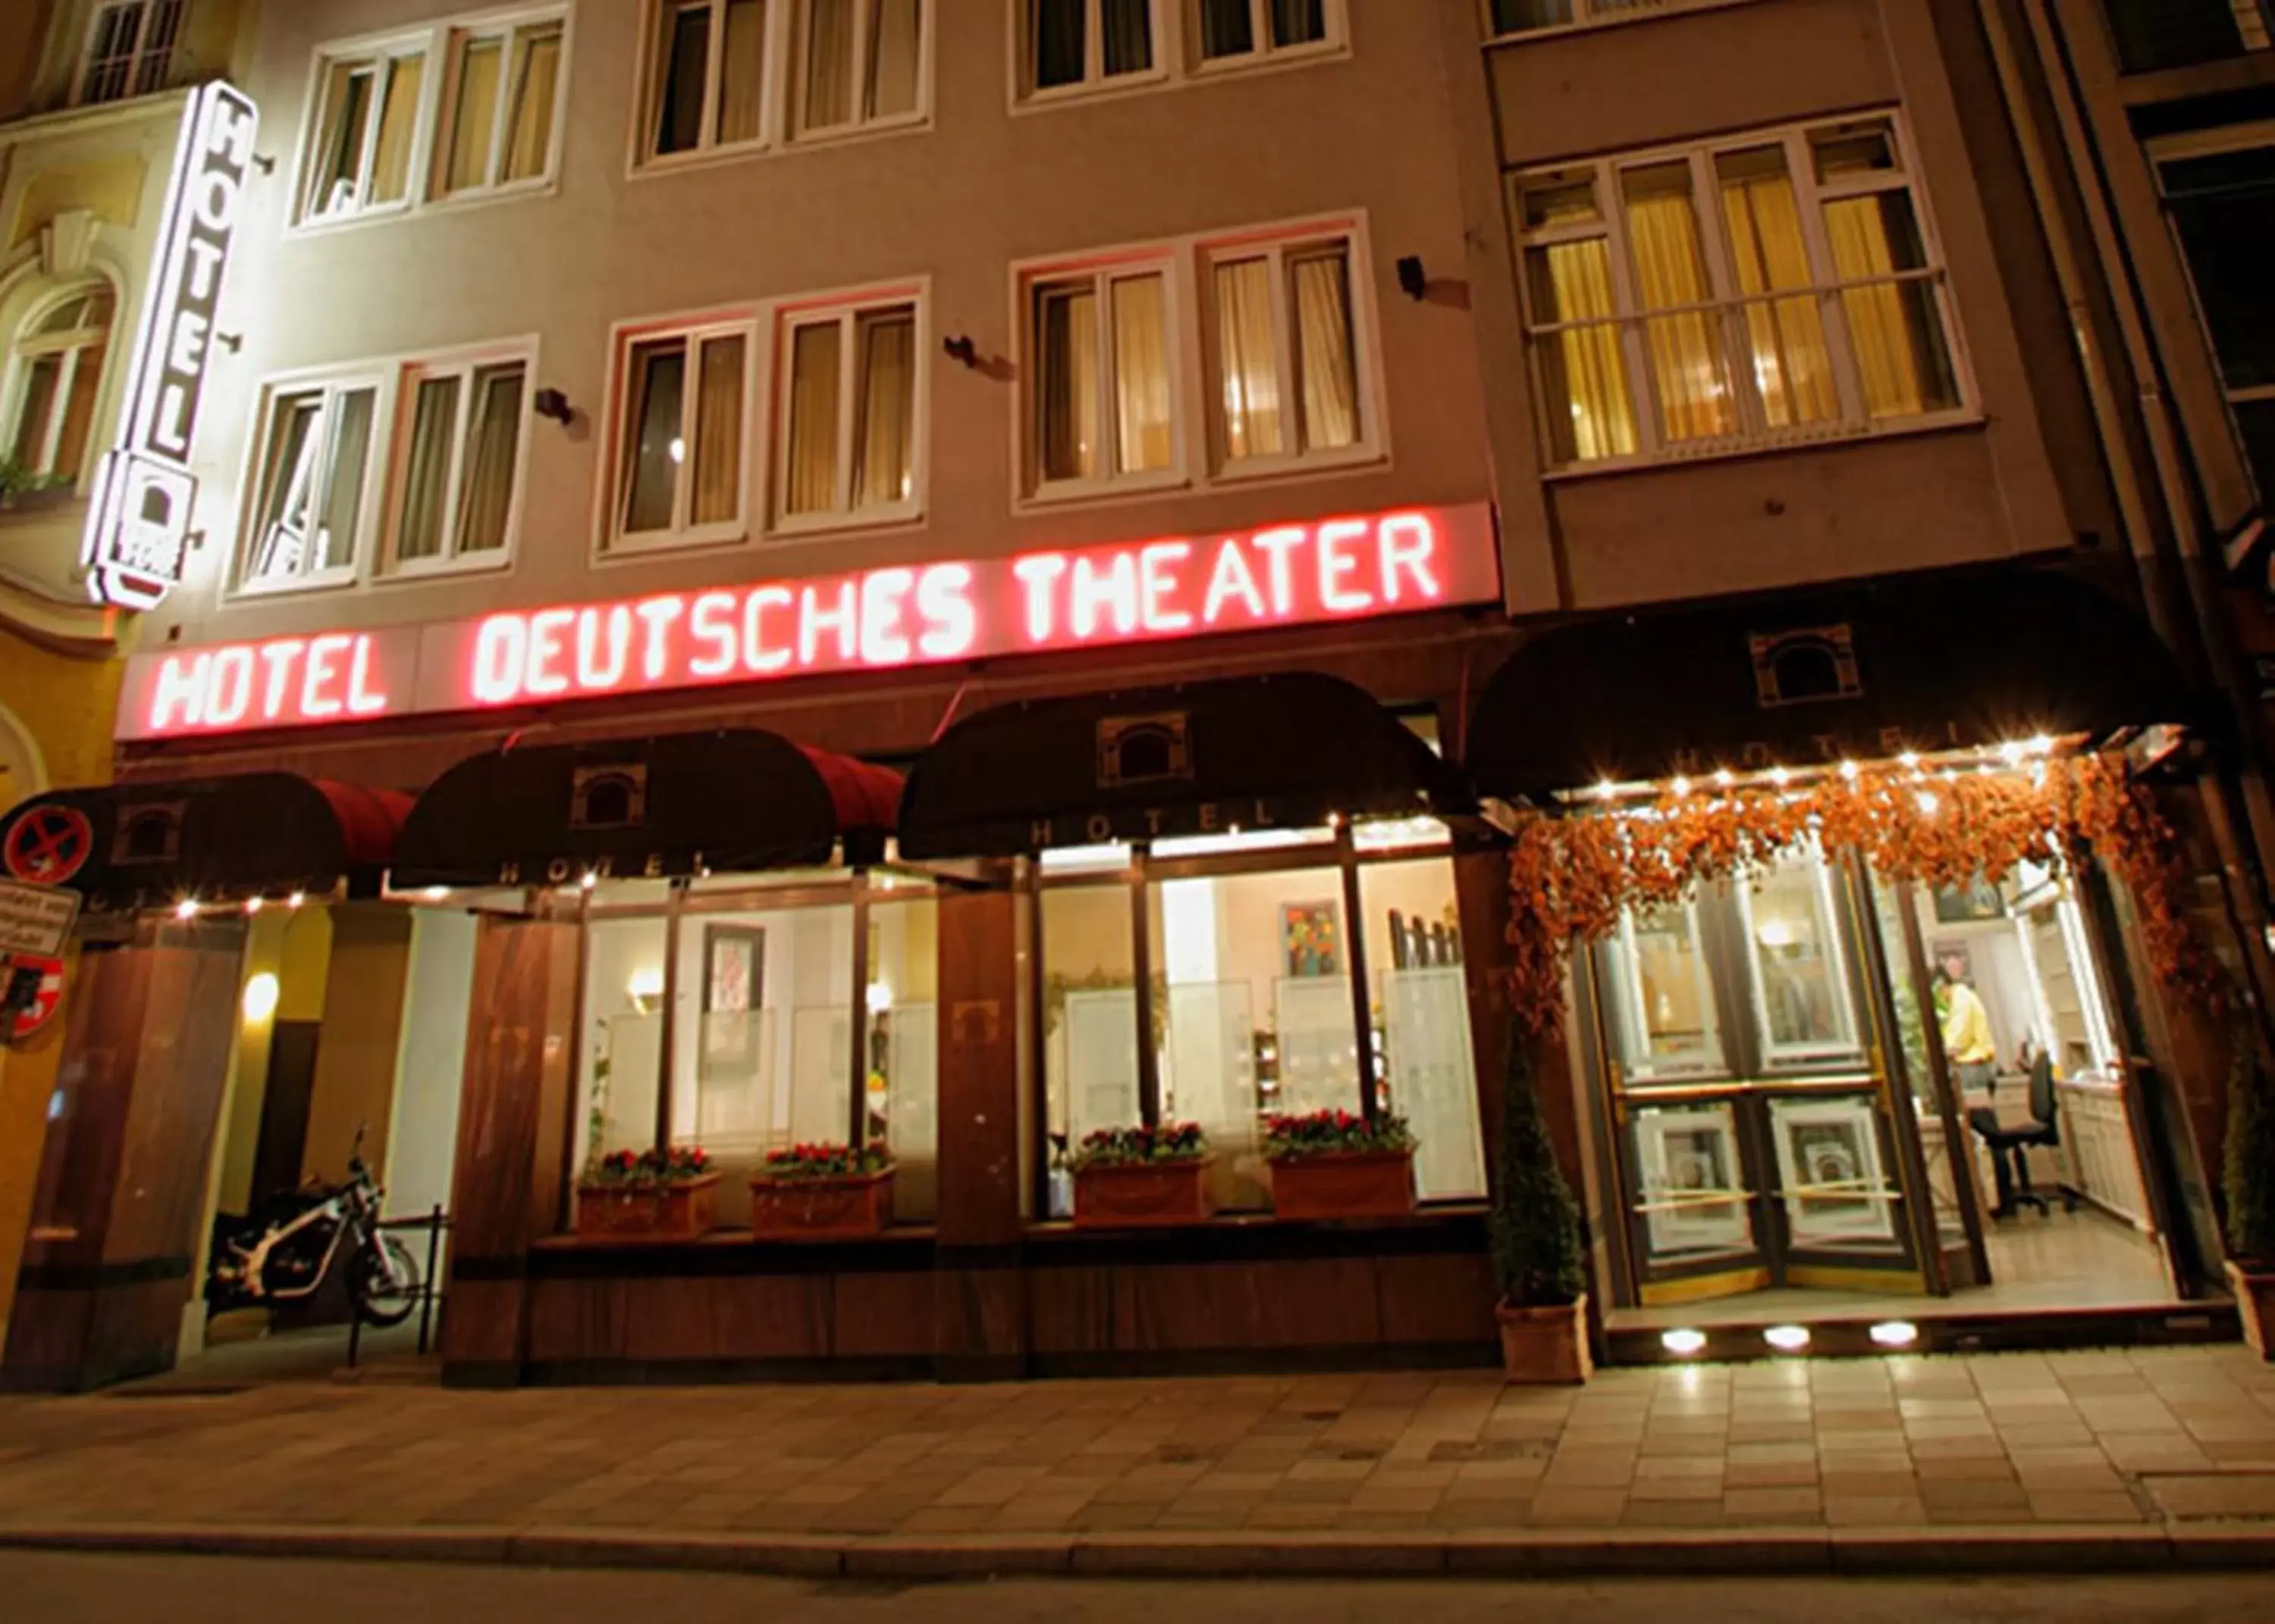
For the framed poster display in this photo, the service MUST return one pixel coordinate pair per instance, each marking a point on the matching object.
(734, 992)
(1836, 1190)
(1311, 939)
(1694, 1193)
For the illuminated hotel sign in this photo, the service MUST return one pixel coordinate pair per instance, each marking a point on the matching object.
(873, 620)
(137, 529)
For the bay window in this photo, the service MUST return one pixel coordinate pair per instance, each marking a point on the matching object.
(55, 378)
(129, 50)
(461, 455)
(1768, 289)
(681, 460)
(848, 415)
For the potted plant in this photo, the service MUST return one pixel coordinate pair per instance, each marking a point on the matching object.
(1338, 1164)
(2248, 1176)
(1133, 1177)
(822, 1192)
(648, 1195)
(1535, 1230)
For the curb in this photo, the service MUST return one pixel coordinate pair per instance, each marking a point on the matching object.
(1606, 1553)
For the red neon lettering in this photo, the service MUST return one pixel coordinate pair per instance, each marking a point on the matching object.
(1277, 546)
(362, 701)
(1335, 564)
(322, 670)
(1037, 574)
(1113, 587)
(1231, 576)
(179, 700)
(883, 595)
(761, 659)
(540, 674)
(712, 623)
(657, 616)
(813, 619)
(944, 601)
(1410, 543)
(228, 690)
(500, 647)
(597, 668)
(1157, 583)
(278, 657)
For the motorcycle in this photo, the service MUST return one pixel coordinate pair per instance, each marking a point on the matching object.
(284, 1250)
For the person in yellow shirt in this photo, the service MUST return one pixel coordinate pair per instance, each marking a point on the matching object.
(1967, 1040)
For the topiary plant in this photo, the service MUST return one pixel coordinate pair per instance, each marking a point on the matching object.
(1535, 1223)
(2248, 1173)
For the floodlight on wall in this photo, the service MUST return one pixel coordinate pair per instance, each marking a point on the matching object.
(1413, 278)
(962, 349)
(554, 404)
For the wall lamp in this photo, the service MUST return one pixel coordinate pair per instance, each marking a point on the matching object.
(553, 404)
(1413, 279)
(960, 348)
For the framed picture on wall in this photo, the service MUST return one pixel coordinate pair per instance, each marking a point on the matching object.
(1979, 899)
(1311, 939)
(1829, 1163)
(734, 992)
(1694, 1191)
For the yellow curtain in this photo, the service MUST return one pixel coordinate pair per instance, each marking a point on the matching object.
(1141, 376)
(1879, 328)
(1591, 413)
(493, 444)
(1248, 359)
(896, 34)
(1793, 367)
(742, 71)
(1686, 359)
(812, 485)
(828, 63)
(1324, 357)
(883, 471)
(476, 115)
(537, 81)
(719, 432)
(426, 470)
(399, 118)
(1068, 318)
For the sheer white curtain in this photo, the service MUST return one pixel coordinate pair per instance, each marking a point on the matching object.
(345, 466)
(896, 37)
(653, 449)
(742, 71)
(1247, 359)
(1141, 375)
(1324, 351)
(537, 81)
(882, 471)
(718, 495)
(828, 63)
(473, 119)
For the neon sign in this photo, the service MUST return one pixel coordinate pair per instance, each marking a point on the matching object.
(139, 524)
(884, 619)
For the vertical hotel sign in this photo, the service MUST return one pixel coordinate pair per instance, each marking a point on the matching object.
(138, 530)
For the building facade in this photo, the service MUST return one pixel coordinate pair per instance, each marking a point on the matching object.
(637, 437)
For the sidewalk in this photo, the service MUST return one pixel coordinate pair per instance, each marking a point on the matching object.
(2129, 1457)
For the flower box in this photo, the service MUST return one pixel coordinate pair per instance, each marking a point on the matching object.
(851, 1208)
(1144, 1194)
(1344, 1184)
(677, 1210)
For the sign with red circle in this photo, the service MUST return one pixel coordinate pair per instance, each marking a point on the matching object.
(44, 1002)
(49, 845)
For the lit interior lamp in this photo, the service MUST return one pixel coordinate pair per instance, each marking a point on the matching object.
(1681, 787)
(1682, 1343)
(435, 894)
(1787, 1339)
(253, 905)
(1895, 1334)
(186, 908)
(1908, 760)
(591, 878)
(646, 989)
(260, 995)
(1726, 778)
(1605, 789)
(2040, 745)
(1776, 933)
(1781, 777)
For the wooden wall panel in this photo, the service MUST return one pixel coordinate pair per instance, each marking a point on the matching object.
(1441, 1300)
(744, 1316)
(979, 1315)
(883, 1315)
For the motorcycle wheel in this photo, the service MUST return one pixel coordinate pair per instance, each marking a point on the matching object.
(385, 1283)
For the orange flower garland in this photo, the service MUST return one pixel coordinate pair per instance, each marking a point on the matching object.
(1571, 876)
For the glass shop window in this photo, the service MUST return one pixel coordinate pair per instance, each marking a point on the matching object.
(622, 1053)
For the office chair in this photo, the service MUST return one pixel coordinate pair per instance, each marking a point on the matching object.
(2015, 1188)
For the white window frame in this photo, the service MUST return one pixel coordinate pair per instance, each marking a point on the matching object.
(1635, 1020)
(438, 43)
(136, 59)
(612, 543)
(1850, 1045)
(861, 123)
(844, 311)
(1100, 273)
(1278, 247)
(1598, 14)
(648, 102)
(467, 367)
(1753, 433)
(24, 350)
(1094, 81)
(331, 385)
(507, 29)
(1177, 60)
(1334, 43)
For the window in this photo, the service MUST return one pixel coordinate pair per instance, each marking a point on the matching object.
(2221, 204)
(1073, 43)
(1286, 377)
(682, 403)
(1508, 17)
(460, 454)
(1241, 30)
(1067, 47)
(847, 431)
(314, 464)
(130, 48)
(1103, 392)
(503, 86)
(745, 75)
(859, 63)
(709, 76)
(451, 112)
(1770, 289)
(56, 373)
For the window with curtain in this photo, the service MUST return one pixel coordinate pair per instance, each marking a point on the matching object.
(129, 50)
(460, 452)
(1285, 355)
(1228, 30)
(1773, 287)
(314, 462)
(55, 377)
(848, 414)
(709, 74)
(1102, 391)
(679, 410)
(503, 92)
(366, 126)
(860, 62)
(2222, 203)
(1072, 43)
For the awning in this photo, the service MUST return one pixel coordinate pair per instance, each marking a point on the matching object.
(1252, 752)
(1861, 672)
(152, 845)
(731, 802)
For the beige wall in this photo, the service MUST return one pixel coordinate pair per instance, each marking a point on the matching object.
(363, 1024)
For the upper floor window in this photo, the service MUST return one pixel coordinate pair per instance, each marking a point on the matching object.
(682, 401)
(1767, 289)
(1104, 395)
(451, 111)
(309, 512)
(848, 414)
(2155, 35)
(726, 75)
(2222, 202)
(130, 48)
(54, 374)
(1287, 357)
(1066, 47)
(464, 425)
(1508, 17)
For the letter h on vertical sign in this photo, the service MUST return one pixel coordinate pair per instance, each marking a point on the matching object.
(138, 527)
